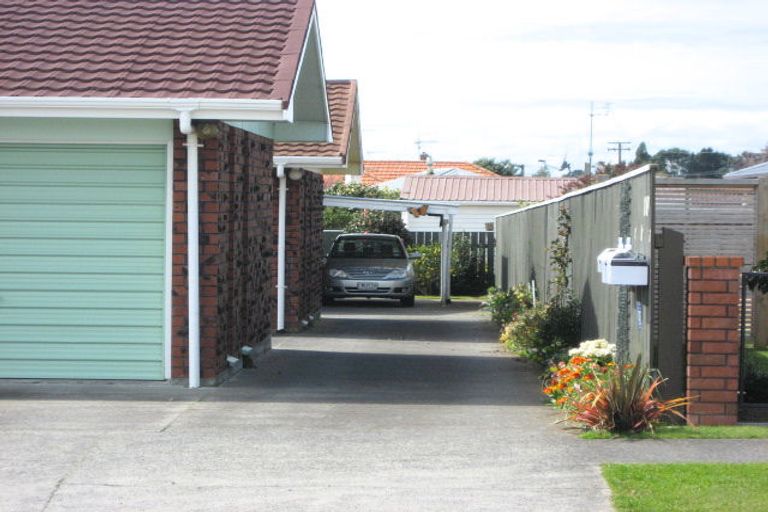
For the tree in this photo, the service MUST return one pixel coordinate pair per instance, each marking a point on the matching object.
(709, 163)
(642, 156)
(353, 220)
(748, 159)
(501, 167)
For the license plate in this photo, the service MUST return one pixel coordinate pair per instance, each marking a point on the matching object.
(367, 286)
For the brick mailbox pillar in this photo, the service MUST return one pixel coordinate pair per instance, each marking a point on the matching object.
(713, 338)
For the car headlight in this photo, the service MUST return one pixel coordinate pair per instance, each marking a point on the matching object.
(337, 273)
(398, 273)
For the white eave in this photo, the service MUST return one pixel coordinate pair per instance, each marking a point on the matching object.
(310, 163)
(142, 108)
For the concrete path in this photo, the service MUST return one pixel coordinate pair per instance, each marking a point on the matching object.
(378, 408)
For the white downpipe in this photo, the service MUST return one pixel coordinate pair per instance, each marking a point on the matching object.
(193, 249)
(282, 192)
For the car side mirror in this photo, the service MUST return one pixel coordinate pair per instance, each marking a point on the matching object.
(414, 255)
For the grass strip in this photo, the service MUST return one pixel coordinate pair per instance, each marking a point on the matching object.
(686, 432)
(687, 487)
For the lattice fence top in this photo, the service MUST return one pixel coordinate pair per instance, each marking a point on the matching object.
(715, 217)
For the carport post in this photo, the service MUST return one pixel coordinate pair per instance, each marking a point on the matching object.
(446, 242)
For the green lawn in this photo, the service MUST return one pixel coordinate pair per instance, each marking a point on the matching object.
(683, 432)
(688, 487)
(759, 360)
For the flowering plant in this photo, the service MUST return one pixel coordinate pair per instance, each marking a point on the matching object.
(569, 381)
(597, 349)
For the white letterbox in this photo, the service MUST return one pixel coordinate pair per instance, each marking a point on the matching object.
(626, 268)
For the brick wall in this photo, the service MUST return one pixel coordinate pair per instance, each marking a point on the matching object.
(713, 339)
(236, 249)
(304, 248)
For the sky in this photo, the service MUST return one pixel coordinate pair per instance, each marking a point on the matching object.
(515, 79)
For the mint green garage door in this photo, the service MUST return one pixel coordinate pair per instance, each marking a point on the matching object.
(81, 261)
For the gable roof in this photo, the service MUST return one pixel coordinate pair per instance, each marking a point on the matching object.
(377, 171)
(227, 49)
(478, 189)
(342, 102)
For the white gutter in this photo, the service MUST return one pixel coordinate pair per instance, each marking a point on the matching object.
(144, 108)
(310, 162)
(282, 192)
(193, 248)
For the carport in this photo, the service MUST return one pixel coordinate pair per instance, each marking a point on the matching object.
(445, 211)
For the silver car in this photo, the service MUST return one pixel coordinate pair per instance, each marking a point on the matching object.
(369, 265)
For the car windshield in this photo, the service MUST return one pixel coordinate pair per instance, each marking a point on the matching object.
(371, 248)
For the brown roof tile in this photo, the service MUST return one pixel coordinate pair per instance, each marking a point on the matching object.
(234, 49)
(342, 103)
(481, 189)
(378, 171)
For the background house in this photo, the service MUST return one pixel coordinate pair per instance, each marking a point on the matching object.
(480, 198)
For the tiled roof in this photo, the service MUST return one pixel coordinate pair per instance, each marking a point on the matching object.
(224, 49)
(342, 103)
(376, 171)
(330, 180)
(481, 189)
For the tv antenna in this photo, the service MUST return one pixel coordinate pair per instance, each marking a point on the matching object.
(420, 142)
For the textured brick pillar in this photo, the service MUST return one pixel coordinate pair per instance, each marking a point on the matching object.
(713, 338)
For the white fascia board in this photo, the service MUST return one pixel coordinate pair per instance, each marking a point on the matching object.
(310, 162)
(313, 28)
(315, 164)
(392, 205)
(141, 108)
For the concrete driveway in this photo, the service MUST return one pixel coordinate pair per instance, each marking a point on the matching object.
(376, 408)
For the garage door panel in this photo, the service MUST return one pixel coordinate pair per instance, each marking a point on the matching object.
(104, 176)
(46, 299)
(82, 245)
(117, 318)
(80, 334)
(84, 352)
(83, 212)
(50, 281)
(83, 230)
(41, 368)
(83, 155)
(82, 264)
(50, 194)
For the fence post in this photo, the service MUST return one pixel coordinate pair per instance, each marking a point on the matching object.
(713, 338)
(760, 300)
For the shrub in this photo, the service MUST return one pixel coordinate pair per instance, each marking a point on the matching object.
(544, 331)
(625, 399)
(427, 269)
(756, 376)
(469, 273)
(504, 305)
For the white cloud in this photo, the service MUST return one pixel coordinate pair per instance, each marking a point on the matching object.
(515, 79)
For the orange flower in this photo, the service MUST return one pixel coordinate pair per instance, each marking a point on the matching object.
(561, 400)
(578, 360)
(589, 376)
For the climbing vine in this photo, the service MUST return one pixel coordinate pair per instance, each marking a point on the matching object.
(560, 259)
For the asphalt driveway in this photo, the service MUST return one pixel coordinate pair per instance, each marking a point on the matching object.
(376, 408)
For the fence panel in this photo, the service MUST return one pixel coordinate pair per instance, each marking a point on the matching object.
(600, 214)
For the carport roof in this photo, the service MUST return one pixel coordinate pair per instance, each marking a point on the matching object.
(393, 205)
